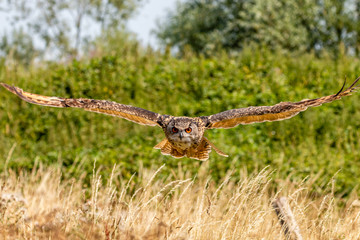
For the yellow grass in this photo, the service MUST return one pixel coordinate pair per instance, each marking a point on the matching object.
(40, 205)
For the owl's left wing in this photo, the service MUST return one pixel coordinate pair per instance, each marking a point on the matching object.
(280, 111)
(134, 114)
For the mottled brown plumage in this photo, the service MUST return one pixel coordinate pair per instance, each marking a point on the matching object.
(185, 135)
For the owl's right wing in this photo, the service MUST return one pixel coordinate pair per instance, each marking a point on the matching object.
(278, 112)
(134, 114)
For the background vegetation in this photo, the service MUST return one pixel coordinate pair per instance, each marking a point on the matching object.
(53, 29)
(304, 26)
(321, 141)
(214, 58)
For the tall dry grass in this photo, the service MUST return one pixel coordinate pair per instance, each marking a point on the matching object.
(45, 204)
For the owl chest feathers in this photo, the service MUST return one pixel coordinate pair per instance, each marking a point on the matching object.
(184, 143)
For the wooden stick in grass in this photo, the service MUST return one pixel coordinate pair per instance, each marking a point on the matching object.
(287, 219)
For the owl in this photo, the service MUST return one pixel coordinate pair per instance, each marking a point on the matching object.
(184, 136)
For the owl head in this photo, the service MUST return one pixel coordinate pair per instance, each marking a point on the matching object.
(183, 132)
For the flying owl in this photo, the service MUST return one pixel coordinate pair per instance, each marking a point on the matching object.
(184, 136)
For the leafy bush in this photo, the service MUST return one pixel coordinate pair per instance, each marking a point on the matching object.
(321, 141)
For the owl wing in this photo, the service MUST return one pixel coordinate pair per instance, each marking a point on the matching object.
(278, 112)
(134, 114)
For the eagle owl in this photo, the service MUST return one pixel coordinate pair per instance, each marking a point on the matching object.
(184, 136)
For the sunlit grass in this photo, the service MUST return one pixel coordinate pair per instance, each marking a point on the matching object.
(43, 204)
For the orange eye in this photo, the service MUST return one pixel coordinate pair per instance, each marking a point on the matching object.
(188, 130)
(175, 130)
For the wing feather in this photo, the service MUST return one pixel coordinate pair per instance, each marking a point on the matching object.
(134, 114)
(278, 112)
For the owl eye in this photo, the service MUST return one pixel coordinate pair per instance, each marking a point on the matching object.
(188, 130)
(175, 130)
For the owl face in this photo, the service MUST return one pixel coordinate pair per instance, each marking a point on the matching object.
(183, 133)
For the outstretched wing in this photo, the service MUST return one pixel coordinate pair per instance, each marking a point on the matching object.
(134, 114)
(280, 111)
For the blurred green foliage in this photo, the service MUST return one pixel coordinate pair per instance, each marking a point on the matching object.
(322, 141)
(206, 26)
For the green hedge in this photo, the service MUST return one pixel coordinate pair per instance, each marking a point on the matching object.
(320, 141)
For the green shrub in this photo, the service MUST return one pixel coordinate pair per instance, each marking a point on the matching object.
(321, 141)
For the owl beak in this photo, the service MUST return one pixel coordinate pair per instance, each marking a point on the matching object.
(181, 135)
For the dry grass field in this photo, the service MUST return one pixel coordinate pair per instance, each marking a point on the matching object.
(44, 204)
